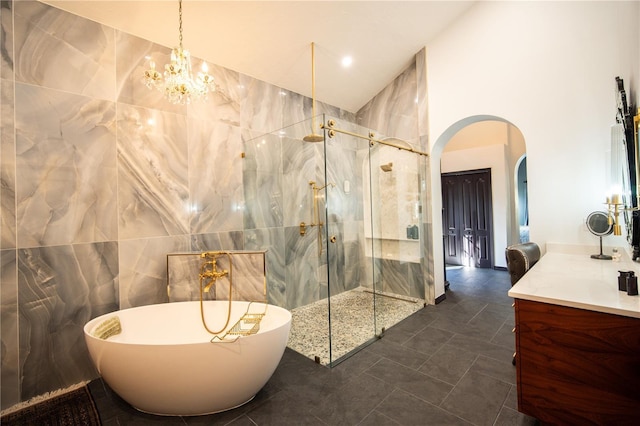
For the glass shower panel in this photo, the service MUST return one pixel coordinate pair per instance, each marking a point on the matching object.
(396, 232)
(296, 259)
(351, 306)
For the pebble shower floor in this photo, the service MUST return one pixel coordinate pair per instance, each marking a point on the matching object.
(351, 322)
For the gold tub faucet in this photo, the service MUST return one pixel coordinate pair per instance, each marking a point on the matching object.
(209, 269)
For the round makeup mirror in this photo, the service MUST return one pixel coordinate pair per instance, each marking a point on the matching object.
(598, 224)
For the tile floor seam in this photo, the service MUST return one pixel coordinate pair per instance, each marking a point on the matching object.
(238, 418)
(432, 355)
(378, 405)
(478, 313)
(465, 372)
(497, 332)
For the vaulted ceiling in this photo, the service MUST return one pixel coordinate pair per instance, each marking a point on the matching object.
(271, 40)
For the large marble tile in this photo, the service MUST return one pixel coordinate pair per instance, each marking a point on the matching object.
(263, 200)
(143, 269)
(422, 96)
(6, 50)
(232, 240)
(416, 279)
(43, 35)
(183, 278)
(215, 183)
(322, 109)
(132, 60)
(10, 376)
(224, 103)
(302, 261)
(273, 241)
(298, 170)
(8, 236)
(245, 278)
(65, 167)
(353, 262)
(262, 181)
(342, 172)
(336, 258)
(60, 289)
(263, 151)
(293, 109)
(153, 191)
(395, 275)
(393, 111)
(262, 105)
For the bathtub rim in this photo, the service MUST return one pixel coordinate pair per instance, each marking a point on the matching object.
(92, 323)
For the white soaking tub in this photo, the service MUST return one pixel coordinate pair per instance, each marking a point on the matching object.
(164, 362)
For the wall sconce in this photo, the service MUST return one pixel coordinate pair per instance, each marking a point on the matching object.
(614, 207)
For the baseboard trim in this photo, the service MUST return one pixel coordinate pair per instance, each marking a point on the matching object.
(441, 298)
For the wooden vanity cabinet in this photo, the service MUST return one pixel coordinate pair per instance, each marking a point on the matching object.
(577, 367)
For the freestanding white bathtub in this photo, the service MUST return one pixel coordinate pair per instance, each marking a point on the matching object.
(163, 362)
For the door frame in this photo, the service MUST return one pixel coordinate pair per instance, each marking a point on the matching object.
(470, 240)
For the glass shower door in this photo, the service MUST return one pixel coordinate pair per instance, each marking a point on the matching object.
(375, 267)
(349, 269)
(396, 187)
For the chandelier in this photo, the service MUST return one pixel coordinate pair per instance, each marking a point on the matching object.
(178, 84)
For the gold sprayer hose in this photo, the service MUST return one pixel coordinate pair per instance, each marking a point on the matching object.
(203, 266)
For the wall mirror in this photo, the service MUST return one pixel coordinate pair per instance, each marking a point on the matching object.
(625, 173)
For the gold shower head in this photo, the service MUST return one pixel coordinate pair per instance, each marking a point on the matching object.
(313, 138)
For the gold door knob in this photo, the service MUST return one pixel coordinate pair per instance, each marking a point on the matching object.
(332, 239)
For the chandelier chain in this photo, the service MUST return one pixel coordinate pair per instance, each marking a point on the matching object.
(180, 21)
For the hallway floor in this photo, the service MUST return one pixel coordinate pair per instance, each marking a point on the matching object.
(448, 364)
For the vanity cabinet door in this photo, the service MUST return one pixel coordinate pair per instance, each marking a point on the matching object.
(576, 366)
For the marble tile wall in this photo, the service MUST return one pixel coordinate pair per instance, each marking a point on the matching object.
(399, 111)
(245, 278)
(101, 178)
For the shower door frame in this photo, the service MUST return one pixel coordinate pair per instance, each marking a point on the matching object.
(331, 131)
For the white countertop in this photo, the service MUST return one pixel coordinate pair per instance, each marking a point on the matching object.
(577, 281)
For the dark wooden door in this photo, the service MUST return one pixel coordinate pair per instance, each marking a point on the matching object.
(467, 218)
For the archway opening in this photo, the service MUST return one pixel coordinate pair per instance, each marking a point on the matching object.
(495, 145)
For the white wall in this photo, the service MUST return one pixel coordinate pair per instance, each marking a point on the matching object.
(549, 68)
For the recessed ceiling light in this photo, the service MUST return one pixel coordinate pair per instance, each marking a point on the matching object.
(347, 61)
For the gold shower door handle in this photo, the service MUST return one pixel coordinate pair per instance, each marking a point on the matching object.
(332, 239)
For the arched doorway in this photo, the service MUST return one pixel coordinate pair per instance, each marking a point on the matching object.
(496, 147)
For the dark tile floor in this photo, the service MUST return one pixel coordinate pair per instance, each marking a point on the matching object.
(448, 364)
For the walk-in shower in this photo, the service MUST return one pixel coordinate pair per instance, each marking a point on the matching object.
(347, 250)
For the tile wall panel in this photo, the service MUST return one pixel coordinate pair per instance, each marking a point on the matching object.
(153, 188)
(44, 35)
(65, 167)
